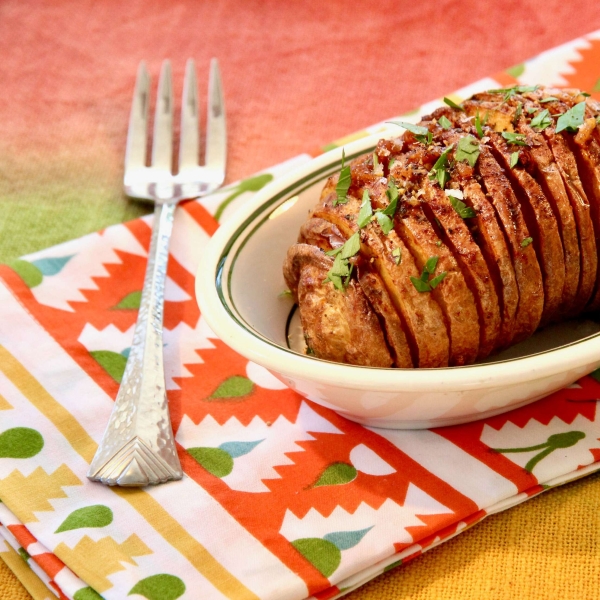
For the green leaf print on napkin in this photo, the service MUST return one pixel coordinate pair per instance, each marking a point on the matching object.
(97, 515)
(86, 593)
(326, 554)
(338, 473)
(219, 461)
(235, 386)
(28, 272)
(554, 442)
(252, 184)
(516, 70)
(131, 301)
(20, 442)
(52, 265)
(159, 587)
(112, 362)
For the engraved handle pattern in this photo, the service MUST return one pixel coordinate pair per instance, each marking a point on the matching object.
(138, 446)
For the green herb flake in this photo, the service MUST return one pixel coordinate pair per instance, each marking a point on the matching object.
(285, 294)
(518, 112)
(438, 243)
(384, 221)
(397, 255)
(526, 242)
(514, 159)
(478, 126)
(366, 210)
(453, 104)
(531, 109)
(541, 120)
(420, 285)
(343, 184)
(391, 162)
(508, 93)
(340, 272)
(437, 280)
(585, 94)
(423, 283)
(444, 122)
(572, 119)
(375, 162)
(548, 99)
(351, 246)
(422, 134)
(515, 138)
(464, 211)
(468, 150)
(439, 171)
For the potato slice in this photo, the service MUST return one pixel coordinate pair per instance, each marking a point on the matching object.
(567, 168)
(527, 269)
(484, 229)
(377, 294)
(424, 322)
(453, 295)
(547, 174)
(339, 325)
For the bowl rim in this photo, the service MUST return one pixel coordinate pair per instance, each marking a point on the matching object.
(288, 363)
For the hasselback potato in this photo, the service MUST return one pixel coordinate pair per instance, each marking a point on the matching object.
(458, 238)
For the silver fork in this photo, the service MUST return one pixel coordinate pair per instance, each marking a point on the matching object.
(138, 447)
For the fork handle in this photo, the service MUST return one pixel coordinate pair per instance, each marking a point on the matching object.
(138, 446)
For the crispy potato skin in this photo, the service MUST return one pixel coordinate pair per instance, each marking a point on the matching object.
(338, 325)
(469, 232)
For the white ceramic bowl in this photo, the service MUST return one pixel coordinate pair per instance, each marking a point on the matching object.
(239, 285)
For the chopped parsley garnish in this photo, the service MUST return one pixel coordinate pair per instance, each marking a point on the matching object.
(514, 159)
(526, 242)
(514, 138)
(366, 210)
(468, 150)
(422, 134)
(423, 283)
(518, 112)
(385, 216)
(508, 93)
(572, 119)
(548, 99)
(464, 211)
(585, 94)
(439, 172)
(397, 255)
(384, 221)
(375, 162)
(340, 272)
(453, 104)
(444, 122)
(478, 126)
(343, 184)
(285, 294)
(391, 162)
(542, 120)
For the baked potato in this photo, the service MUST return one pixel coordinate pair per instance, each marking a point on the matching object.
(458, 238)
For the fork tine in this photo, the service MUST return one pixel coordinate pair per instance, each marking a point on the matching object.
(189, 139)
(216, 129)
(162, 143)
(135, 154)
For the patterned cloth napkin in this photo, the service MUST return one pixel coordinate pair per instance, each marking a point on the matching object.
(281, 498)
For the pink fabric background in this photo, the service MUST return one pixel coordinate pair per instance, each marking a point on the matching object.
(297, 75)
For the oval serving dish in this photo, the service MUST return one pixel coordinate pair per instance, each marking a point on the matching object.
(239, 287)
